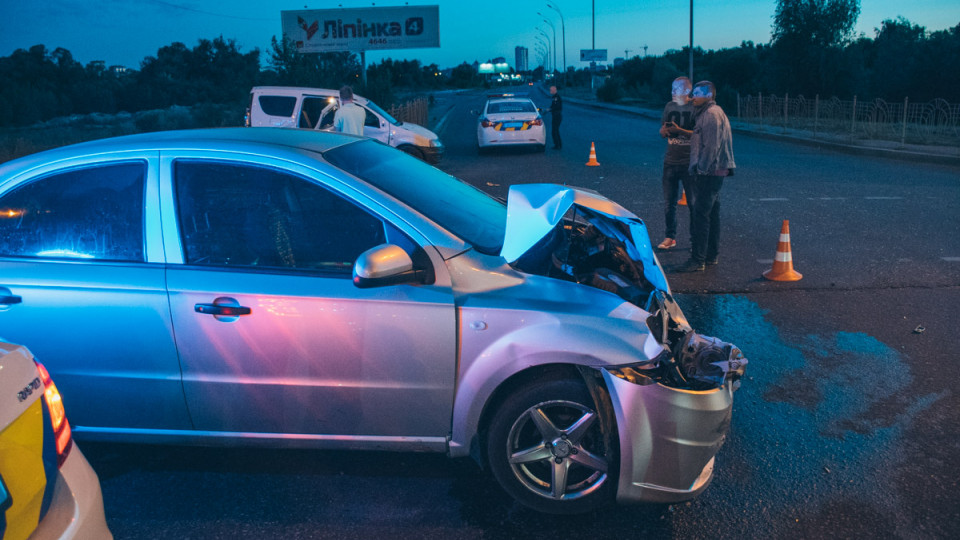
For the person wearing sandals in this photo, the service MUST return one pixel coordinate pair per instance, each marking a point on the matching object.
(677, 127)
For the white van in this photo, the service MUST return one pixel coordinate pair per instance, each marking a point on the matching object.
(313, 108)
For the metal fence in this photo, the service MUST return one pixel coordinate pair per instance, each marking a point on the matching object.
(414, 111)
(934, 122)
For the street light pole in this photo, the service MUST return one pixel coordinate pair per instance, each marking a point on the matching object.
(563, 31)
(547, 38)
(691, 41)
(554, 28)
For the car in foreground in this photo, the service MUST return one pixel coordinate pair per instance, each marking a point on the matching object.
(47, 488)
(299, 288)
(510, 120)
(313, 108)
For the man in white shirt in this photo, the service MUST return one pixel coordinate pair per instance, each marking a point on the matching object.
(350, 117)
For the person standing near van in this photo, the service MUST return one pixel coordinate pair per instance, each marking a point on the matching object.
(350, 117)
(677, 127)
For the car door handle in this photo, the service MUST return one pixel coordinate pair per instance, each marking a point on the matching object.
(10, 299)
(227, 311)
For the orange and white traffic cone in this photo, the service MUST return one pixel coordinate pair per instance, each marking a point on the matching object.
(783, 262)
(593, 157)
(683, 198)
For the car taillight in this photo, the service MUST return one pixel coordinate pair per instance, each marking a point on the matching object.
(536, 121)
(58, 416)
(485, 123)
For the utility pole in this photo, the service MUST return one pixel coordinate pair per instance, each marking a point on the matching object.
(563, 28)
(691, 41)
(626, 54)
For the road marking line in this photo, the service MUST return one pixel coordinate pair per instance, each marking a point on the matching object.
(883, 198)
(951, 259)
(826, 198)
(772, 199)
(443, 120)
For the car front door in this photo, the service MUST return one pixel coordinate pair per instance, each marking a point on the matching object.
(376, 127)
(274, 337)
(82, 286)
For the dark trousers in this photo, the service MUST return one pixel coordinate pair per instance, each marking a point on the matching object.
(706, 217)
(555, 130)
(675, 178)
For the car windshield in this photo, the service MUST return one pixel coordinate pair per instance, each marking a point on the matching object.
(376, 108)
(453, 204)
(501, 107)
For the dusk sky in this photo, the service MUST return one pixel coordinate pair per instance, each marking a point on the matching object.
(125, 31)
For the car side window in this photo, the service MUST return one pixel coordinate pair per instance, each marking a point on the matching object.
(85, 213)
(311, 112)
(235, 215)
(372, 120)
(278, 105)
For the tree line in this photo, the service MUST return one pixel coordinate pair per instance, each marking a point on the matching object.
(812, 52)
(40, 84)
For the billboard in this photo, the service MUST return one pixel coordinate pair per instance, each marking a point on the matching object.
(593, 55)
(362, 29)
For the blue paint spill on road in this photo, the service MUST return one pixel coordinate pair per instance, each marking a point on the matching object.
(812, 421)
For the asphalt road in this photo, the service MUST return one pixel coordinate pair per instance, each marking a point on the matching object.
(847, 425)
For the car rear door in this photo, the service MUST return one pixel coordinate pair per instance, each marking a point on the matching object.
(273, 336)
(82, 285)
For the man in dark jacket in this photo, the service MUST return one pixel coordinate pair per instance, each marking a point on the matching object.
(556, 114)
(711, 159)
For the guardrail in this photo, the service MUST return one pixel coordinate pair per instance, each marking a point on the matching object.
(933, 122)
(414, 111)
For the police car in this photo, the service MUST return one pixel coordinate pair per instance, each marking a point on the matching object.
(509, 120)
(47, 488)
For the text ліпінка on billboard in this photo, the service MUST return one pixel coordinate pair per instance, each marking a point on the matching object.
(362, 29)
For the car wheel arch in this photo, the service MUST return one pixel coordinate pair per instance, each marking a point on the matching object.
(546, 380)
(589, 376)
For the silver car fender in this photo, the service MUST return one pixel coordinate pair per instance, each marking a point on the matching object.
(536, 321)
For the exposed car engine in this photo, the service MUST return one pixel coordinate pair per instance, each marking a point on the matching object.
(578, 250)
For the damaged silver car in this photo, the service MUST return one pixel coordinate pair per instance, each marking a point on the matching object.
(295, 288)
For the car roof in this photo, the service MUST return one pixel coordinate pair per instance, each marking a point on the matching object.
(239, 138)
(297, 91)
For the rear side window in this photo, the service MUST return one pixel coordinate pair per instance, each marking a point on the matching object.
(235, 215)
(89, 213)
(501, 107)
(278, 105)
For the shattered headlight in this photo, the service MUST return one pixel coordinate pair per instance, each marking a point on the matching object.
(709, 360)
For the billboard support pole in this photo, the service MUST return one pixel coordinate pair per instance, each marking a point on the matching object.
(363, 69)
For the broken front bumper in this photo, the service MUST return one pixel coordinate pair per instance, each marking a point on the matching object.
(668, 438)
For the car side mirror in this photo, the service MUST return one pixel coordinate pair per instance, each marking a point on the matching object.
(386, 264)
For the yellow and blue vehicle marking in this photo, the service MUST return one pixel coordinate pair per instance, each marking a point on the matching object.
(28, 471)
(511, 126)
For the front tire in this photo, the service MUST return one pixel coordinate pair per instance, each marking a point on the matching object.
(547, 449)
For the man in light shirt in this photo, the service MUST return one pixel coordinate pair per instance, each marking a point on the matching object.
(350, 117)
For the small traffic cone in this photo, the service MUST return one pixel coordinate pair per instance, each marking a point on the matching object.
(593, 157)
(683, 198)
(783, 262)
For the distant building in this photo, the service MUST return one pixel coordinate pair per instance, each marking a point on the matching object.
(522, 63)
(118, 69)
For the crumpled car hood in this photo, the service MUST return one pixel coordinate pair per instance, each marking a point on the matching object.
(533, 210)
(578, 235)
